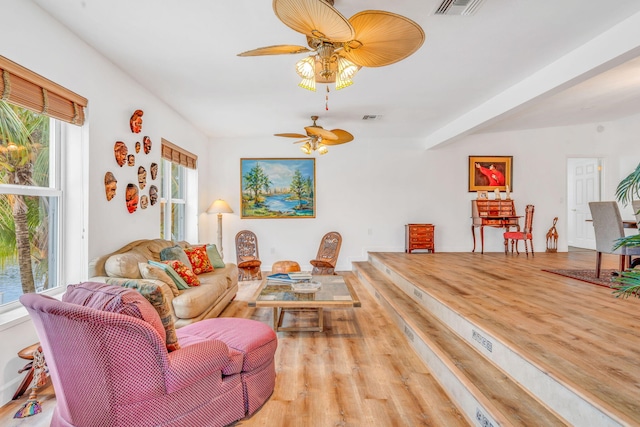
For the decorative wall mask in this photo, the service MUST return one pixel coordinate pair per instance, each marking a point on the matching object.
(144, 202)
(154, 170)
(136, 121)
(132, 197)
(120, 151)
(153, 195)
(110, 185)
(146, 143)
(137, 147)
(131, 160)
(142, 177)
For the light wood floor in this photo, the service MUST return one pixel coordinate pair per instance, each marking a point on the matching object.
(360, 372)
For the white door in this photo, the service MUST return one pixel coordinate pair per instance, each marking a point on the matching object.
(583, 182)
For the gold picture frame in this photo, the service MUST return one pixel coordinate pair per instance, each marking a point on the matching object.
(486, 173)
(278, 188)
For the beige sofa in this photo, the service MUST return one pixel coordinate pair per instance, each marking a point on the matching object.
(216, 290)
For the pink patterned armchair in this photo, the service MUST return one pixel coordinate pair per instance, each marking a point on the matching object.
(107, 356)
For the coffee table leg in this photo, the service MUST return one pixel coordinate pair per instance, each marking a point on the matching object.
(276, 319)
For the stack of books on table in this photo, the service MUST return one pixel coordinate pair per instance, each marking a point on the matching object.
(296, 277)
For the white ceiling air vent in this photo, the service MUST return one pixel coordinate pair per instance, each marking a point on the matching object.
(371, 117)
(458, 7)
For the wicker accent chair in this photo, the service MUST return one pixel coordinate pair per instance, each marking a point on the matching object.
(110, 364)
(247, 255)
(608, 227)
(327, 257)
(525, 235)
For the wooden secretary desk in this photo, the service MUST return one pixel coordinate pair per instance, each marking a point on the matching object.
(492, 213)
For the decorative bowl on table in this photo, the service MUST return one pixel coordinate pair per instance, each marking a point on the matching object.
(305, 287)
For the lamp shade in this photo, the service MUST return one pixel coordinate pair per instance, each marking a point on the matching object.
(219, 206)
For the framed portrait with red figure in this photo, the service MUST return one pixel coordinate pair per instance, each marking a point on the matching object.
(488, 173)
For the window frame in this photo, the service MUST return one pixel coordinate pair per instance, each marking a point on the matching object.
(53, 190)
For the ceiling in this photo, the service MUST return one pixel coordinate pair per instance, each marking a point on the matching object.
(186, 53)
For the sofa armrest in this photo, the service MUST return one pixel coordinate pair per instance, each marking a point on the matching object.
(210, 356)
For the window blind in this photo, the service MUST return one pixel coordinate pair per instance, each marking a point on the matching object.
(29, 90)
(178, 155)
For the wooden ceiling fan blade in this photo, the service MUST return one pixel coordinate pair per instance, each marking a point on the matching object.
(385, 38)
(343, 137)
(322, 133)
(302, 140)
(291, 135)
(281, 49)
(314, 18)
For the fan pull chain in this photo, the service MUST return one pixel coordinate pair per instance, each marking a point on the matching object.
(326, 98)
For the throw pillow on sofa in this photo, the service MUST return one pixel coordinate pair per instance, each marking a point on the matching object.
(154, 295)
(151, 272)
(177, 280)
(124, 265)
(185, 272)
(199, 259)
(175, 253)
(214, 256)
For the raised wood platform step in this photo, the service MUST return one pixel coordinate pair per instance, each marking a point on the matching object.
(484, 393)
(570, 344)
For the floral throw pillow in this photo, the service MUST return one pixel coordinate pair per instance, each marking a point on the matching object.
(199, 259)
(183, 271)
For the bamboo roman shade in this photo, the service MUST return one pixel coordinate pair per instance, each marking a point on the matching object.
(178, 155)
(29, 90)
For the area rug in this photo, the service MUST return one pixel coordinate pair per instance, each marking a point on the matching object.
(588, 276)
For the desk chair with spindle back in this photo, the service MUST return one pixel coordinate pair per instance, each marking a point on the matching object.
(526, 234)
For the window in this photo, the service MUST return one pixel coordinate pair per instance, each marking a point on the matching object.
(33, 112)
(30, 200)
(178, 174)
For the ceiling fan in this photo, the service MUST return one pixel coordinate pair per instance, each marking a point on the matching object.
(318, 138)
(341, 46)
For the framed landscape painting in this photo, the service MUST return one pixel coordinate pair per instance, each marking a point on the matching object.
(278, 188)
(486, 173)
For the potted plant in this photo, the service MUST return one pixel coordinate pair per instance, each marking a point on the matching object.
(627, 283)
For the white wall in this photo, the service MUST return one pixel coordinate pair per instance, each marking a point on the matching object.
(368, 190)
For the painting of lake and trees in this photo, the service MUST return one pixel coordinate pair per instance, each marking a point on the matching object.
(278, 188)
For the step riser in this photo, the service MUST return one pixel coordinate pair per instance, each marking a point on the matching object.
(464, 399)
(561, 399)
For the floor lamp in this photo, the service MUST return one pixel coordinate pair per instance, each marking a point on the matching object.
(219, 207)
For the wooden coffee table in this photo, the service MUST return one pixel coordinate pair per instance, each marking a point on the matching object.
(334, 292)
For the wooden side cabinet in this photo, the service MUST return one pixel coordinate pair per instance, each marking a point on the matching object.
(419, 237)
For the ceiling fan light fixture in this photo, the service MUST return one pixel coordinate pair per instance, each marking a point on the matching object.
(322, 149)
(346, 70)
(306, 67)
(306, 148)
(308, 84)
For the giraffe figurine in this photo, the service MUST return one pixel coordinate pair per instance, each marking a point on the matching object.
(552, 237)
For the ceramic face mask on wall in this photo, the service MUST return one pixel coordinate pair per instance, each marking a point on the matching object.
(153, 194)
(135, 122)
(120, 152)
(142, 177)
(132, 198)
(146, 144)
(110, 185)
